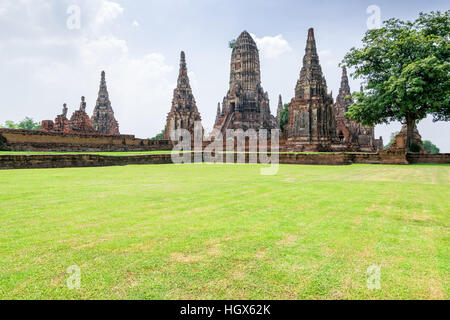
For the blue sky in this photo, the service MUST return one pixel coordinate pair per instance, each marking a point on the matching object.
(137, 42)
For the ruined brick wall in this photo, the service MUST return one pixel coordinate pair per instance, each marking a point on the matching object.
(77, 160)
(25, 140)
(379, 158)
(443, 158)
(93, 160)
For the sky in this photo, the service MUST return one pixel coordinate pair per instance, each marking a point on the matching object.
(53, 51)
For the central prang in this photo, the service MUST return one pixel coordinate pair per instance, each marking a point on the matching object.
(246, 105)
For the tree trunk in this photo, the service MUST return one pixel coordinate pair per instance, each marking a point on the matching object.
(410, 125)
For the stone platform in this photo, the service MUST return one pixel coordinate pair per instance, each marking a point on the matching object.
(94, 160)
(27, 140)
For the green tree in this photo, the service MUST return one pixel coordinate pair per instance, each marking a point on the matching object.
(430, 147)
(159, 136)
(406, 69)
(9, 125)
(231, 43)
(28, 124)
(284, 117)
(25, 124)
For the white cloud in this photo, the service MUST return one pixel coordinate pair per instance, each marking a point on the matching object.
(135, 24)
(327, 58)
(272, 47)
(104, 50)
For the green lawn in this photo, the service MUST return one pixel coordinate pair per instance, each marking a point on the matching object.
(225, 232)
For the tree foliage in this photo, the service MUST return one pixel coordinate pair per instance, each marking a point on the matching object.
(430, 147)
(9, 125)
(406, 70)
(159, 136)
(25, 124)
(284, 117)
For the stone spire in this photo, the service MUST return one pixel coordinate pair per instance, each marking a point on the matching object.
(311, 56)
(183, 113)
(183, 97)
(342, 104)
(246, 105)
(350, 133)
(183, 79)
(280, 108)
(311, 120)
(103, 119)
(311, 82)
(345, 87)
(64, 110)
(219, 112)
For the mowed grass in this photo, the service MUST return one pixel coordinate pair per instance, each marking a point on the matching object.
(225, 232)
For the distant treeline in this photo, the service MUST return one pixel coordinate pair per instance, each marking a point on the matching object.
(25, 124)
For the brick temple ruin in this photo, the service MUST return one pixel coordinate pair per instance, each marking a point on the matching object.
(184, 112)
(102, 121)
(316, 123)
(353, 135)
(311, 124)
(246, 105)
(80, 133)
(399, 142)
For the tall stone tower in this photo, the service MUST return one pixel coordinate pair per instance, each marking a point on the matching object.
(345, 132)
(219, 112)
(342, 102)
(103, 119)
(311, 124)
(279, 109)
(352, 134)
(184, 112)
(246, 105)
